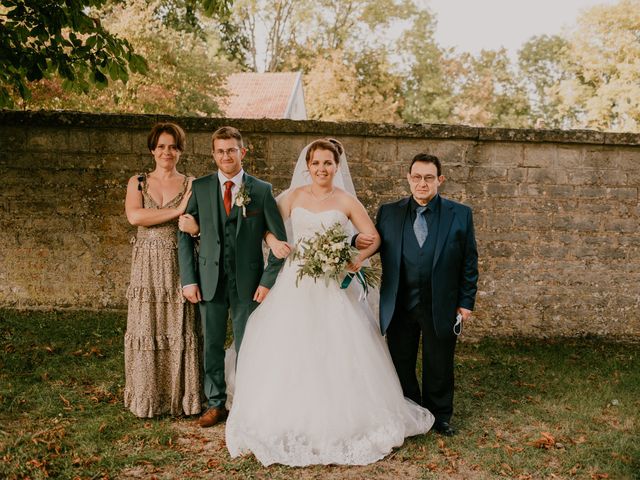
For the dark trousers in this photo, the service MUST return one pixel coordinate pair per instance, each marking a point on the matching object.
(403, 337)
(214, 315)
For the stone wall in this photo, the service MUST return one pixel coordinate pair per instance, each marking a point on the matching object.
(556, 212)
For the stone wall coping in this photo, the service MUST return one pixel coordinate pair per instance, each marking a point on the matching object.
(303, 127)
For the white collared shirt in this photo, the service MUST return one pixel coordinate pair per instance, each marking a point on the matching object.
(237, 181)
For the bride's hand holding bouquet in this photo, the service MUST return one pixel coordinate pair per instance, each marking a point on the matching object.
(330, 256)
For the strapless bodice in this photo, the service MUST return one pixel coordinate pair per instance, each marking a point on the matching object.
(306, 224)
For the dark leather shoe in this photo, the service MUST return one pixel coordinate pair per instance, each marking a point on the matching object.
(212, 416)
(443, 428)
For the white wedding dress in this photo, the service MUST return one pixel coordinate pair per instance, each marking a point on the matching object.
(315, 383)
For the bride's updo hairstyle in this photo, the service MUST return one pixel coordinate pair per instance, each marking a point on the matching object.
(331, 144)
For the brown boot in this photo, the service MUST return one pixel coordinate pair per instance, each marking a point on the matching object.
(212, 416)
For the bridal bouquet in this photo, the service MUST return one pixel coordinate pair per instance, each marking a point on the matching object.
(327, 255)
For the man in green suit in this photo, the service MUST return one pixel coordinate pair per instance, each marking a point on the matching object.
(228, 276)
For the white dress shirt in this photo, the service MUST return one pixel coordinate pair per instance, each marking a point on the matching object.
(237, 181)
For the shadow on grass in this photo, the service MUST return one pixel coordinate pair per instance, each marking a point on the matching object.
(524, 409)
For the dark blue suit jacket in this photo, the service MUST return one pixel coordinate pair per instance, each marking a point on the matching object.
(454, 278)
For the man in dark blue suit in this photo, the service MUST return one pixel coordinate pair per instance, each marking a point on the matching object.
(429, 277)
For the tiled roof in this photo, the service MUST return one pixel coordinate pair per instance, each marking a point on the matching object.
(260, 95)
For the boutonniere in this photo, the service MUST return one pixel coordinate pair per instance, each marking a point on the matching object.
(243, 199)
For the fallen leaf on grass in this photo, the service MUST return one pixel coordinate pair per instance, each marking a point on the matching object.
(67, 403)
(79, 461)
(545, 441)
(94, 351)
(451, 456)
(451, 469)
(506, 469)
(510, 450)
(578, 441)
(597, 476)
(623, 458)
(40, 465)
(525, 384)
(50, 437)
(574, 470)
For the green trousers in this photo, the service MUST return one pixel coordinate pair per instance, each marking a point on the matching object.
(215, 314)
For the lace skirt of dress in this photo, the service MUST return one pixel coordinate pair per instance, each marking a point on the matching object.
(162, 350)
(315, 383)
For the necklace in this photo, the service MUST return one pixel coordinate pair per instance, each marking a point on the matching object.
(322, 198)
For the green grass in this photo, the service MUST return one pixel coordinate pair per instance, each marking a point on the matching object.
(564, 408)
(61, 408)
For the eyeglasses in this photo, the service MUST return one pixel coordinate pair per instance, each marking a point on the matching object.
(229, 152)
(416, 178)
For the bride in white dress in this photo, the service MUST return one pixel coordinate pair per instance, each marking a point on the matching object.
(314, 382)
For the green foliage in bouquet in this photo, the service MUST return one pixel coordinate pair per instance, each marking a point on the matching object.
(327, 255)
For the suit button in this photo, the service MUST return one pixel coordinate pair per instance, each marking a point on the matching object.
(216, 262)
(218, 242)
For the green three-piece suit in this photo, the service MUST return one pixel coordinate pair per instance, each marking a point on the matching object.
(229, 266)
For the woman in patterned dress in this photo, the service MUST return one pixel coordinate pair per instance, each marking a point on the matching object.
(162, 353)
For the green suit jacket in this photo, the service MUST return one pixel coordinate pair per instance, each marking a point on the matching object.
(262, 215)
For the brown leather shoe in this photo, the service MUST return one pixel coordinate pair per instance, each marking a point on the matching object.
(212, 416)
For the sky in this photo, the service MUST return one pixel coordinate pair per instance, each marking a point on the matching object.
(473, 25)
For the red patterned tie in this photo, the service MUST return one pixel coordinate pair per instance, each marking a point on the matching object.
(227, 196)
